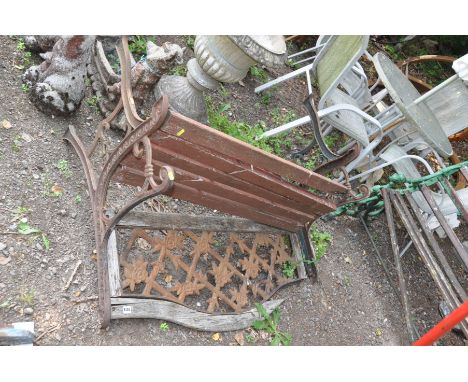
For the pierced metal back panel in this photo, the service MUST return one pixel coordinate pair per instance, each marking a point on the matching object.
(207, 271)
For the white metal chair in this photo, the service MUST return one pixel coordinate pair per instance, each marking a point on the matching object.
(337, 108)
(320, 43)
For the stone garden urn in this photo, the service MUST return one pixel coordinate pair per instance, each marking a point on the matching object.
(218, 59)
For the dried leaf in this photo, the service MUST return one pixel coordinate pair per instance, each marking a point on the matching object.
(6, 124)
(77, 293)
(57, 190)
(168, 279)
(239, 337)
(4, 260)
(216, 337)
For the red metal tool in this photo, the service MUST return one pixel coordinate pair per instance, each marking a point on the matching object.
(444, 326)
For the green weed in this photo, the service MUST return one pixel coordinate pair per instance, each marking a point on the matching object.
(16, 145)
(164, 327)
(393, 52)
(250, 339)
(266, 98)
(190, 41)
(20, 45)
(25, 229)
(93, 102)
(223, 91)
(321, 241)
(258, 73)
(289, 267)
(25, 88)
(27, 58)
(270, 325)
(281, 117)
(179, 70)
(62, 166)
(218, 119)
(331, 139)
(27, 298)
(26, 55)
(21, 211)
(137, 46)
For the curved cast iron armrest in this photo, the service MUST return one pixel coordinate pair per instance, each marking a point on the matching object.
(315, 123)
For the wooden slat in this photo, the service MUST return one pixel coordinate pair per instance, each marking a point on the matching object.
(179, 314)
(265, 183)
(217, 202)
(207, 137)
(299, 255)
(211, 186)
(115, 288)
(183, 222)
(214, 171)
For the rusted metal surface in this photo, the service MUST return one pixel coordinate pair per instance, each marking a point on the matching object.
(170, 154)
(98, 186)
(339, 162)
(207, 271)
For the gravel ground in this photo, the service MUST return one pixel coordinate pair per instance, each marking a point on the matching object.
(351, 304)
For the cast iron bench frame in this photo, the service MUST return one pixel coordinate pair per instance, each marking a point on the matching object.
(204, 166)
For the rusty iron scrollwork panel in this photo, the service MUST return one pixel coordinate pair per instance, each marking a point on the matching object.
(213, 272)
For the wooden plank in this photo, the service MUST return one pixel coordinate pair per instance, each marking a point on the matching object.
(299, 254)
(266, 182)
(179, 314)
(178, 125)
(211, 171)
(217, 202)
(182, 222)
(115, 288)
(212, 186)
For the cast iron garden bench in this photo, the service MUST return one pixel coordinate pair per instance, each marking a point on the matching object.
(271, 199)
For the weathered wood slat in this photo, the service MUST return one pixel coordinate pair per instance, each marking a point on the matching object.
(212, 186)
(211, 171)
(298, 253)
(267, 182)
(217, 202)
(182, 222)
(207, 137)
(179, 314)
(115, 288)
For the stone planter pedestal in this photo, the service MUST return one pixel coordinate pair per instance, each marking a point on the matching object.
(218, 59)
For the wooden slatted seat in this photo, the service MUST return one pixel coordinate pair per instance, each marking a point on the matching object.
(223, 173)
